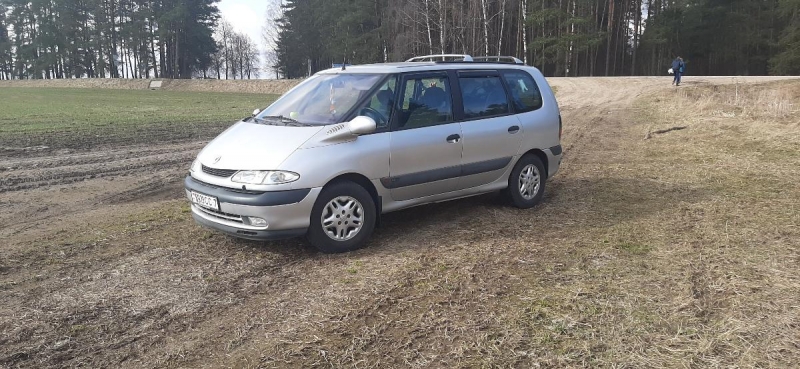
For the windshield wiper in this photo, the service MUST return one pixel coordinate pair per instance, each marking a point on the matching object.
(287, 121)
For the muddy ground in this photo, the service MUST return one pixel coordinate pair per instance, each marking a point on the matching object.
(102, 266)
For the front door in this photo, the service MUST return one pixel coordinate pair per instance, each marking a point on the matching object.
(425, 143)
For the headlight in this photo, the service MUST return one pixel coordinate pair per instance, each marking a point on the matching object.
(195, 165)
(268, 177)
(250, 176)
(279, 177)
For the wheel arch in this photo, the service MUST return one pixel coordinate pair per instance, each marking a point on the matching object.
(542, 156)
(364, 182)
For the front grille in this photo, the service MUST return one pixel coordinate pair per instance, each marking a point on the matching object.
(237, 190)
(218, 172)
(220, 214)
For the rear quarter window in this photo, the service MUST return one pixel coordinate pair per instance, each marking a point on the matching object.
(525, 94)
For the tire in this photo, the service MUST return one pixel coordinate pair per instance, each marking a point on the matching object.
(516, 193)
(341, 234)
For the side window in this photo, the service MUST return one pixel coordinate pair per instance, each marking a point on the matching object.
(524, 91)
(426, 101)
(380, 105)
(483, 96)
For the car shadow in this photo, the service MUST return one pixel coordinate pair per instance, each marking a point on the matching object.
(580, 202)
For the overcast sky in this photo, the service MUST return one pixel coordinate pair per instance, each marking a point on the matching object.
(245, 16)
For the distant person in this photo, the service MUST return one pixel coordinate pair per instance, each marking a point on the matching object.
(677, 68)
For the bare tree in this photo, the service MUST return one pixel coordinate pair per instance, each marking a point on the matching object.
(414, 34)
(269, 35)
(637, 26)
(502, 27)
(217, 63)
(442, 10)
(485, 28)
(251, 58)
(571, 40)
(524, 26)
(244, 56)
(226, 34)
(609, 31)
(428, 26)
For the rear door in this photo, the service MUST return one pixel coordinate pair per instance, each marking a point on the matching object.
(425, 144)
(492, 133)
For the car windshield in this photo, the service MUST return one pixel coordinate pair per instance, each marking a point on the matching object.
(322, 99)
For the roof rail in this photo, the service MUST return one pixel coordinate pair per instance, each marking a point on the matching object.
(499, 58)
(463, 57)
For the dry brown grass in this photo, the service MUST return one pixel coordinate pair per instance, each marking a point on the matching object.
(735, 251)
(681, 250)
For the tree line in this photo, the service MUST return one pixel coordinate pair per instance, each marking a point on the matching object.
(105, 38)
(121, 39)
(561, 37)
(186, 38)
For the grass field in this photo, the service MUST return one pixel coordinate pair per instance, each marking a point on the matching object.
(670, 239)
(58, 117)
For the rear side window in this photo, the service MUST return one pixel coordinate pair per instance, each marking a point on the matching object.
(483, 96)
(524, 91)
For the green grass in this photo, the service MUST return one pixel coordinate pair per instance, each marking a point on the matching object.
(634, 248)
(34, 115)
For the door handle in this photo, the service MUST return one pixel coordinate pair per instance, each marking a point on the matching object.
(513, 129)
(454, 138)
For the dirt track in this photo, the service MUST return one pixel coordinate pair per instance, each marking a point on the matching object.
(101, 265)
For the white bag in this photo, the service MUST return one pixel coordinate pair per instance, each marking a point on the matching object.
(670, 71)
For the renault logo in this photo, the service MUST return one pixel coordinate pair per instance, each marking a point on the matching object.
(217, 159)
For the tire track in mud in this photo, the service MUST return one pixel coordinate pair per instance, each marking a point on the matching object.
(25, 181)
(65, 183)
(56, 158)
(30, 173)
(21, 144)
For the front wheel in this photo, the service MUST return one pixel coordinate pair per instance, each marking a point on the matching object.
(342, 219)
(526, 183)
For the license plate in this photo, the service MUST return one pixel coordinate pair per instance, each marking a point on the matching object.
(204, 200)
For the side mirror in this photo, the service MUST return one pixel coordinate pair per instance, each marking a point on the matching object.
(362, 125)
(255, 112)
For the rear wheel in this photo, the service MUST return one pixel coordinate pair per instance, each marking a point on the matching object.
(342, 219)
(526, 183)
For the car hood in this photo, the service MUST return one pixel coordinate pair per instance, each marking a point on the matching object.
(250, 146)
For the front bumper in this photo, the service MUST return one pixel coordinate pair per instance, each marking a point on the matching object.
(258, 235)
(287, 212)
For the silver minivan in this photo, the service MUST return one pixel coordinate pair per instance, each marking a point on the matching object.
(348, 144)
